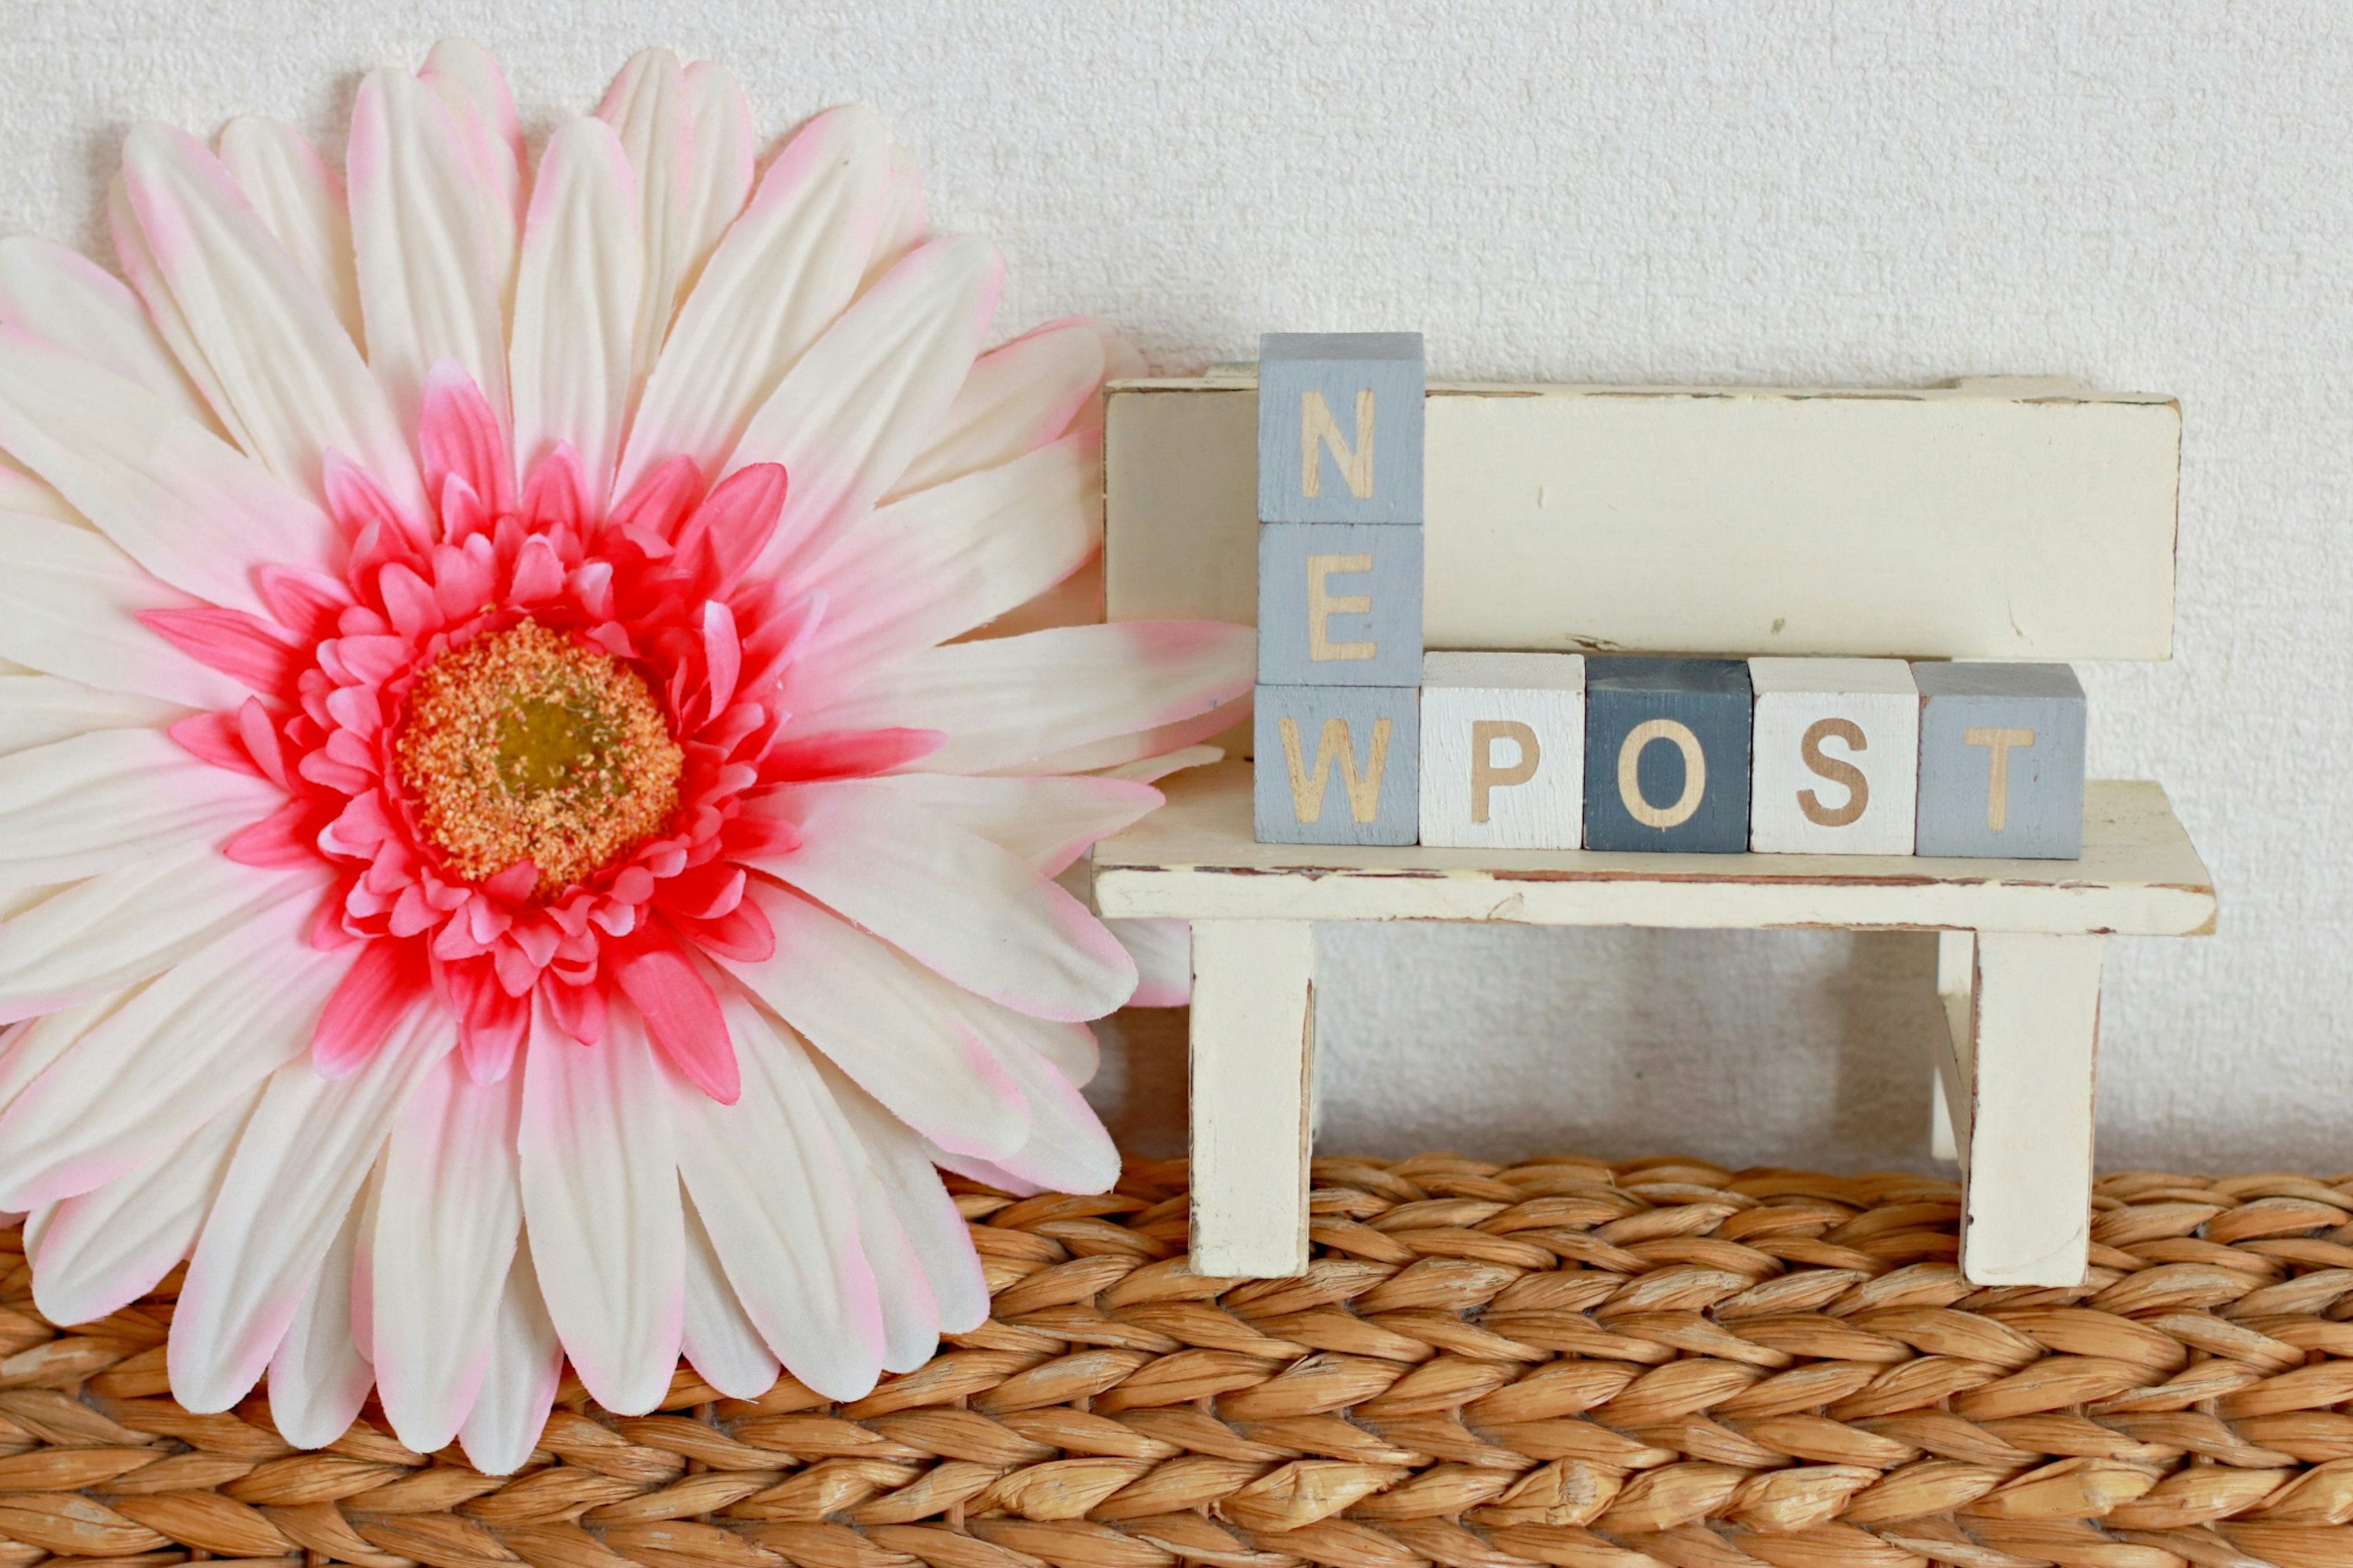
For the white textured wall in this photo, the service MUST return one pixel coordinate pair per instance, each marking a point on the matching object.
(2151, 196)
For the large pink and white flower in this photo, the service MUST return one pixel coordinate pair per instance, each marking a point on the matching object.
(507, 846)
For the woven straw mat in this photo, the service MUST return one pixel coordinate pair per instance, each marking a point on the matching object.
(1562, 1362)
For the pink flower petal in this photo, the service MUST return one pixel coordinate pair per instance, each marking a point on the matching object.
(458, 433)
(680, 1013)
(375, 993)
(243, 646)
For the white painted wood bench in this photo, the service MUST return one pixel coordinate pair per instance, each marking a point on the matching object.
(1989, 520)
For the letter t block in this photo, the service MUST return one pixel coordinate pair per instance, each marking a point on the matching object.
(2001, 761)
(1339, 427)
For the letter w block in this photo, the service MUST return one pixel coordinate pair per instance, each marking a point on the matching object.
(1339, 427)
(1337, 764)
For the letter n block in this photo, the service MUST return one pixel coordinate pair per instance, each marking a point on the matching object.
(1837, 756)
(1339, 605)
(1502, 750)
(1666, 754)
(2001, 761)
(1339, 427)
(1335, 765)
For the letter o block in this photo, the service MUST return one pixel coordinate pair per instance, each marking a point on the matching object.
(1502, 750)
(1666, 754)
(1836, 751)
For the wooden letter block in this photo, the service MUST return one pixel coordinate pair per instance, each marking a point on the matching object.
(2001, 761)
(1666, 754)
(1502, 750)
(1837, 753)
(1339, 427)
(1335, 765)
(1339, 605)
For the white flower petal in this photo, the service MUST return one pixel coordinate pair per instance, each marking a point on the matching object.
(69, 605)
(648, 108)
(291, 1186)
(853, 999)
(934, 565)
(600, 1199)
(1163, 951)
(902, 1173)
(719, 174)
(27, 1049)
(105, 799)
(124, 925)
(431, 285)
(779, 278)
(518, 1385)
(318, 1378)
(302, 200)
(295, 384)
(1068, 1151)
(187, 506)
(950, 898)
(443, 1243)
(899, 227)
(194, 1040)
(65, 297)
(721, 1343)
(1047, 823)
(466, 79)
(576, 305)
(1010, 701)
(1016, 399)
(40, 710)
(777, 1198)
(1153, 769)
(104, 1249)
(845, 419)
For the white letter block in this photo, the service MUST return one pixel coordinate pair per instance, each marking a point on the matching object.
(1836, 754)
(1502, 750)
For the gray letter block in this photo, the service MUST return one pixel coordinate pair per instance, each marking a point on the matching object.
(2001, 761)
(1666, 754)
(1339, 605)
(1339, 427)
(1337, 764)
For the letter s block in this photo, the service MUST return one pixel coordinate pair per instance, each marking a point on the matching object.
(1666, 754)
(1335, 765)
(1339, 427)
(2001, 761)
(1502, 750)
(1339, 605)
(1837, 752)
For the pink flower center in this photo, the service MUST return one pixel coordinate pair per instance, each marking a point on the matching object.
(523, 745)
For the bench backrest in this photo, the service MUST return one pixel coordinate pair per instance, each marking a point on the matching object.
(2000, 519)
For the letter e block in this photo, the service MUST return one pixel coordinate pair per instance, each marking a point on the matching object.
(2001, 761)
(1502, 750)
(1666, 754)
(1339, 605)
(1837, 756)
(1339, 427)
(1335, 765)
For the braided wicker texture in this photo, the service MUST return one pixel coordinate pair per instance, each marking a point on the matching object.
(1561, 1362)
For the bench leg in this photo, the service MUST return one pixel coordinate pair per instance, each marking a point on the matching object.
(1949, 1079)
(2024, 1091)
(1253, 1037)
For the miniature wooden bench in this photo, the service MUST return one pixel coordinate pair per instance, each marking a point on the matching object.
(1989, 520)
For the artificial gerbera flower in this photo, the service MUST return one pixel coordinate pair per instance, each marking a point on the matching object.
(509, 850)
